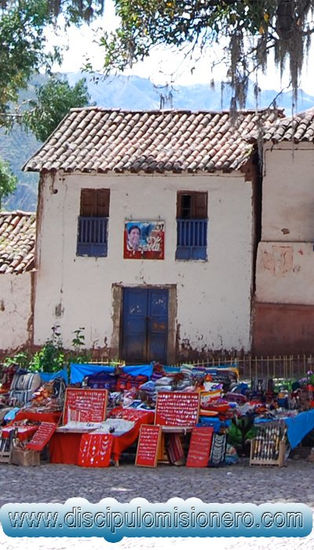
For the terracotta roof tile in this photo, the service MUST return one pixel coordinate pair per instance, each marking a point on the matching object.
(296, 128)
(17, 241)
(100, 140)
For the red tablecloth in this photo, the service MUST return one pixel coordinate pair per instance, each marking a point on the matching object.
(39, 416)
(26, 431)
(122, 442)
(64, 447)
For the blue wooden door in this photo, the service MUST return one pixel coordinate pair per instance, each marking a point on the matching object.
(145, 325)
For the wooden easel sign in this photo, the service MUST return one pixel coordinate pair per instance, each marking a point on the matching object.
(42, 436)
(200, 445)
(148, 446)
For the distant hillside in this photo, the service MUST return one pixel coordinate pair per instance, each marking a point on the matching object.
(126, 93)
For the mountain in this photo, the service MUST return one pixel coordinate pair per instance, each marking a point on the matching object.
(127, 92)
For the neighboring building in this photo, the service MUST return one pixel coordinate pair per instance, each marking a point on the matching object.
(284, 302)
(146, 231)
(17, 243)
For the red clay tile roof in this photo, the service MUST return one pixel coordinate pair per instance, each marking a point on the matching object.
(94, 139)
(297, 128)
(17, 241)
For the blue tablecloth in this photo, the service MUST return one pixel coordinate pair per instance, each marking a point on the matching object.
(299, 427)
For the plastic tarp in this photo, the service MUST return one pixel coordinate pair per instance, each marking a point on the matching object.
(299, 426)
(47, 376)
(10, 415)
(78, 371)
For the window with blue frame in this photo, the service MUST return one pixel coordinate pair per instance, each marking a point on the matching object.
(93, 223)
(192, 224)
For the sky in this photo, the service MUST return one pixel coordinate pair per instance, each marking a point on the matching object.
(165, 65)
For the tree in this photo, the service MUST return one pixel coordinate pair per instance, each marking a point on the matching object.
(252, 28)
(7, 181)
(23, 42)
(54, 100)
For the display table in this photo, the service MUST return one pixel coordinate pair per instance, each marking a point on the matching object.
(25, 432)
(64, 446)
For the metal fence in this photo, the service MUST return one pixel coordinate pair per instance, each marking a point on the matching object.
(251, 366)
(276, 366)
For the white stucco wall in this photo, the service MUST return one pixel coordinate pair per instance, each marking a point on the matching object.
(285, 273)
(213, 297)
(288, 193)
(285, 259)
(15, 310)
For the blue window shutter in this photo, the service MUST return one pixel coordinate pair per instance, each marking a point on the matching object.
(92, 236)
(191, 239)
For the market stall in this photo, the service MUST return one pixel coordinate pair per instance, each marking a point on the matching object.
(197, 415)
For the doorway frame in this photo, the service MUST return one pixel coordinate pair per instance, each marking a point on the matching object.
(117, 317)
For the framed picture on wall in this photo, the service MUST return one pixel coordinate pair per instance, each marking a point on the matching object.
(144, 240)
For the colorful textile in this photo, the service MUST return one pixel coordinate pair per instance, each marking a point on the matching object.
(218, 449)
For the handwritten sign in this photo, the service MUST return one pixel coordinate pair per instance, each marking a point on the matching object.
(200, 445)
(85, 405)
(42, 436)
(177, 408)
(148, 446)
(95, 450)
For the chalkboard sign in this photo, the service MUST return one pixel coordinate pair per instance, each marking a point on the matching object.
(84, 405)
(95, 450)
(200, 445)
(42, 436)
(148, 446)
(177, 408)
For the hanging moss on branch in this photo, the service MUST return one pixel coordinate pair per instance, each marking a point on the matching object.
(252, 29)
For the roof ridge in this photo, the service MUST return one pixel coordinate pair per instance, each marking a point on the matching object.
(174, 110)
(16, 213)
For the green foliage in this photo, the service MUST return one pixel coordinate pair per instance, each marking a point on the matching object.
(21, 45)
(80, 355)
(51, 356)
(7, 181)
(250, 28)
(21, 359)
(54, 100)
(23, 41)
